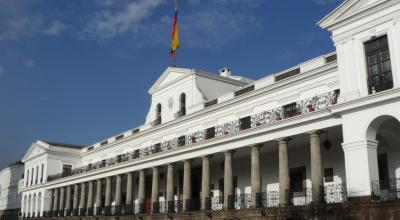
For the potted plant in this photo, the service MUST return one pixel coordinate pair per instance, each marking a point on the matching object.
(298, 113)
(311, 108)
(193, 139)
(277, 116)
(258, 123)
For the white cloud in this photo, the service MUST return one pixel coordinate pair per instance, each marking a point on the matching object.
(15, 28)
(2, 71)
(112, 22)
(202, 23)
(55, 29)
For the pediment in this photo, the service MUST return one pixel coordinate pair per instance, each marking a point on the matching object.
(170, 75)
(34, 150)
(348, 9)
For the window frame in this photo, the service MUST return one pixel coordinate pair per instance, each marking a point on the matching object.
(382, 45)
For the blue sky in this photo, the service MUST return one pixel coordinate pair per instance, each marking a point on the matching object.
(78, 71)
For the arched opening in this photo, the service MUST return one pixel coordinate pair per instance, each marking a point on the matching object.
(386, 131)
(158, 114)
(182, 104)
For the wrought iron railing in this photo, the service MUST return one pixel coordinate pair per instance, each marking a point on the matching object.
(267, 117)
(217, 203)
(242, 201)
(335, 193)
(269, 199)
(385, 190)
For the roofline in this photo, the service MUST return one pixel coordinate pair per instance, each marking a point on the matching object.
(319, 23)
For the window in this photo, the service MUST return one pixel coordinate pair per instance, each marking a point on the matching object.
(119, 137)
(181, 141)
(290, 110)
(210, 133)
(32, 177)
(378, 65)
(244, 90)
(328, 175)
(158, 114)
(210, 103)
(287, 74)
(182, 102)
(67, 169)
(27, 178)
(37, 175)
(245, 123)
(41, 178)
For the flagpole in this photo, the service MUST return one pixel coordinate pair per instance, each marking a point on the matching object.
(174, 61)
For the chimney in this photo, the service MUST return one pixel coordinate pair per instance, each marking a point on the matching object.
(225, 72)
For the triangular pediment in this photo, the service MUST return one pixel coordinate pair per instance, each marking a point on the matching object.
(349, 9)
(170, 75)
(36, 149)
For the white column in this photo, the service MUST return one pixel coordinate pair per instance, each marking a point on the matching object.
(394, 45)
(22, 205)
(361, 163)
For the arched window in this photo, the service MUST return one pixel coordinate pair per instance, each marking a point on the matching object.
(182, 104)
(158, 114)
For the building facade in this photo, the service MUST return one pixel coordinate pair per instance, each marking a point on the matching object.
(323, 132)
(10, 197)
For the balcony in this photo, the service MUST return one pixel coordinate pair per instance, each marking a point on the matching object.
(264, 118)
(385, 190)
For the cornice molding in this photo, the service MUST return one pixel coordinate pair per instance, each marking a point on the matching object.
(174, 124)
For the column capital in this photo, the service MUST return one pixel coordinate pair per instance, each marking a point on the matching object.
(229, 152)
(315, 132)
(283, 139)
(188, 160)
(155, 168)
(171, 164)
(208, 156)
(256, 146)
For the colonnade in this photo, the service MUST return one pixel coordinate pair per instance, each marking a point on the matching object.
(80, 201)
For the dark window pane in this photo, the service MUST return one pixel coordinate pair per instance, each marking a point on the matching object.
(379, 66)
(328, 175)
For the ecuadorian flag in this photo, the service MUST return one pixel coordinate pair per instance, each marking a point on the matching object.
(175, 37)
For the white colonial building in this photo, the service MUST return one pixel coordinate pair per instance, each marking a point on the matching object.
(326, 130)
(10, 197)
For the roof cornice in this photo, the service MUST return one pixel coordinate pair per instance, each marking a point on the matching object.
(251, 95)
